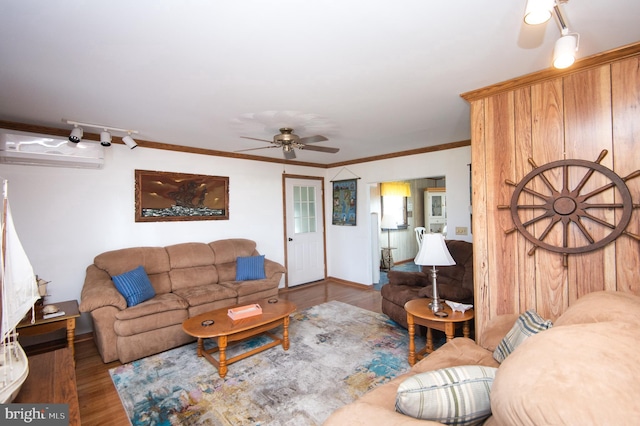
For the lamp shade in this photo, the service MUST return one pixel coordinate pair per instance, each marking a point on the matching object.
(434, 252)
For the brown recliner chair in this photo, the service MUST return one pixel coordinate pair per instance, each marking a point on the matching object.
(455, 283)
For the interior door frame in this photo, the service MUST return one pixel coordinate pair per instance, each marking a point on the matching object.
(284, 221)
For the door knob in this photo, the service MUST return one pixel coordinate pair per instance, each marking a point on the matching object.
(290, 239)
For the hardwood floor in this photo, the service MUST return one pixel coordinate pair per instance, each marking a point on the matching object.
(99, 401)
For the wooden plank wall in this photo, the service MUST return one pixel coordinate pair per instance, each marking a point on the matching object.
(573, 116)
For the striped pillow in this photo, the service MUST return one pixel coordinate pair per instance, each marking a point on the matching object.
(452, 396)
(134, 286)
(250, 268)
(527, 324)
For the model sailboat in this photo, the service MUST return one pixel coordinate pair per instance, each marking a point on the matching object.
(18, 294)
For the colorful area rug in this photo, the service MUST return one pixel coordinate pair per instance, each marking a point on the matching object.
(338, 352)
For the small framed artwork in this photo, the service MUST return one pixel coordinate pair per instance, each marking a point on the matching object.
(166, 196)
(345, 197)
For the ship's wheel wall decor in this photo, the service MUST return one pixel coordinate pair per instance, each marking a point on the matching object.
(556, 209)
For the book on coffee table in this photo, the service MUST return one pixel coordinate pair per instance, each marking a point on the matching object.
(244, 311)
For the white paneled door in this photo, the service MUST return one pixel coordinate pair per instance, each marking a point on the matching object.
(305, 231)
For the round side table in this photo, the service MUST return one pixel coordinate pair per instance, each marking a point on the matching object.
(418, 312)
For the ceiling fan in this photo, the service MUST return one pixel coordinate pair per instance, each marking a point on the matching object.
(290, 141)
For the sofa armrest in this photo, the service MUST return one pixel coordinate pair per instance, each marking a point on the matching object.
(417, 279)
(272, 268)
(98, 291)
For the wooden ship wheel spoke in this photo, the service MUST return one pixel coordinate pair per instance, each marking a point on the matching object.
(565, 220)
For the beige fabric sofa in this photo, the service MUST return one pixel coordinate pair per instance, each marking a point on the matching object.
(188, 279)
(585, 370)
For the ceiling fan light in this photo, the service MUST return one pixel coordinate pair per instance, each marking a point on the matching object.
(538, 11)
(564, 53)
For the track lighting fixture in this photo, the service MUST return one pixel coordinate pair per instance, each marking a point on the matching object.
(105, 138)
(540, 11)
(128, 141)
(76, 134)
(564, 53)
(105, 134)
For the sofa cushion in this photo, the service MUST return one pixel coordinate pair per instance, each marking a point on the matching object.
(203, 294)
(151, 322)
(195, 276)
(186, 255)
(453, 395)
(250, 268)
(527, 324)
(116, 262)
(134, 286)
(588, 308)
(245, 288)
(581, 374)
(229, 250)
(158, 304)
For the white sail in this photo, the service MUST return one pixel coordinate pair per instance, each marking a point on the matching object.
(19, 288)
(19, 292)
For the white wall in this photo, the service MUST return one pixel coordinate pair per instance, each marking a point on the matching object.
(348, 248)
(65, 217)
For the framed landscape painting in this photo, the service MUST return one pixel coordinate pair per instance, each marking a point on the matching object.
(166, 196)
(345, 197)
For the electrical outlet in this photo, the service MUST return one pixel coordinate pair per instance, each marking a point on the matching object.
(461, 230)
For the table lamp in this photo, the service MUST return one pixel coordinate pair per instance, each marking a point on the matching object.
(433, 252)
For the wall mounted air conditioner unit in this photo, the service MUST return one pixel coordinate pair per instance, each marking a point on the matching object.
(42, 150)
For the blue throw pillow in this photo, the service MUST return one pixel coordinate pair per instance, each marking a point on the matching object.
(134, 286)
(250, 268)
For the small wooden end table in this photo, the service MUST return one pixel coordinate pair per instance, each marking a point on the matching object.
(217, 324)
(42, 326)
(418, 312)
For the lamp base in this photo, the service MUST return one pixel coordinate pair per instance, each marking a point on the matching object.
(435, 305)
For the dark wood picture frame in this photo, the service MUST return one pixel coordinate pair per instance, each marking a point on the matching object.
(168, 196)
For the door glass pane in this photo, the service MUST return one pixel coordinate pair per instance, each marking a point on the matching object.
(304, 209)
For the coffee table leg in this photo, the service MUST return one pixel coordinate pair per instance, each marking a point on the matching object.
(200, 346)
(222, 344)
(285, 334)
(466, 329)
(412, 345)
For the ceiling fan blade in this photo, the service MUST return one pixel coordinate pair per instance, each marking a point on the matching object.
(289, 155)
(253, 149)
(256, 139)
(313, 139)
(320, 148)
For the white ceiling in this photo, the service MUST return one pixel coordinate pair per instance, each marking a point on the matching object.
(374, 76)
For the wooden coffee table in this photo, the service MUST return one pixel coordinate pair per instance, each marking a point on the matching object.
(227, 330)
(418, 312)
